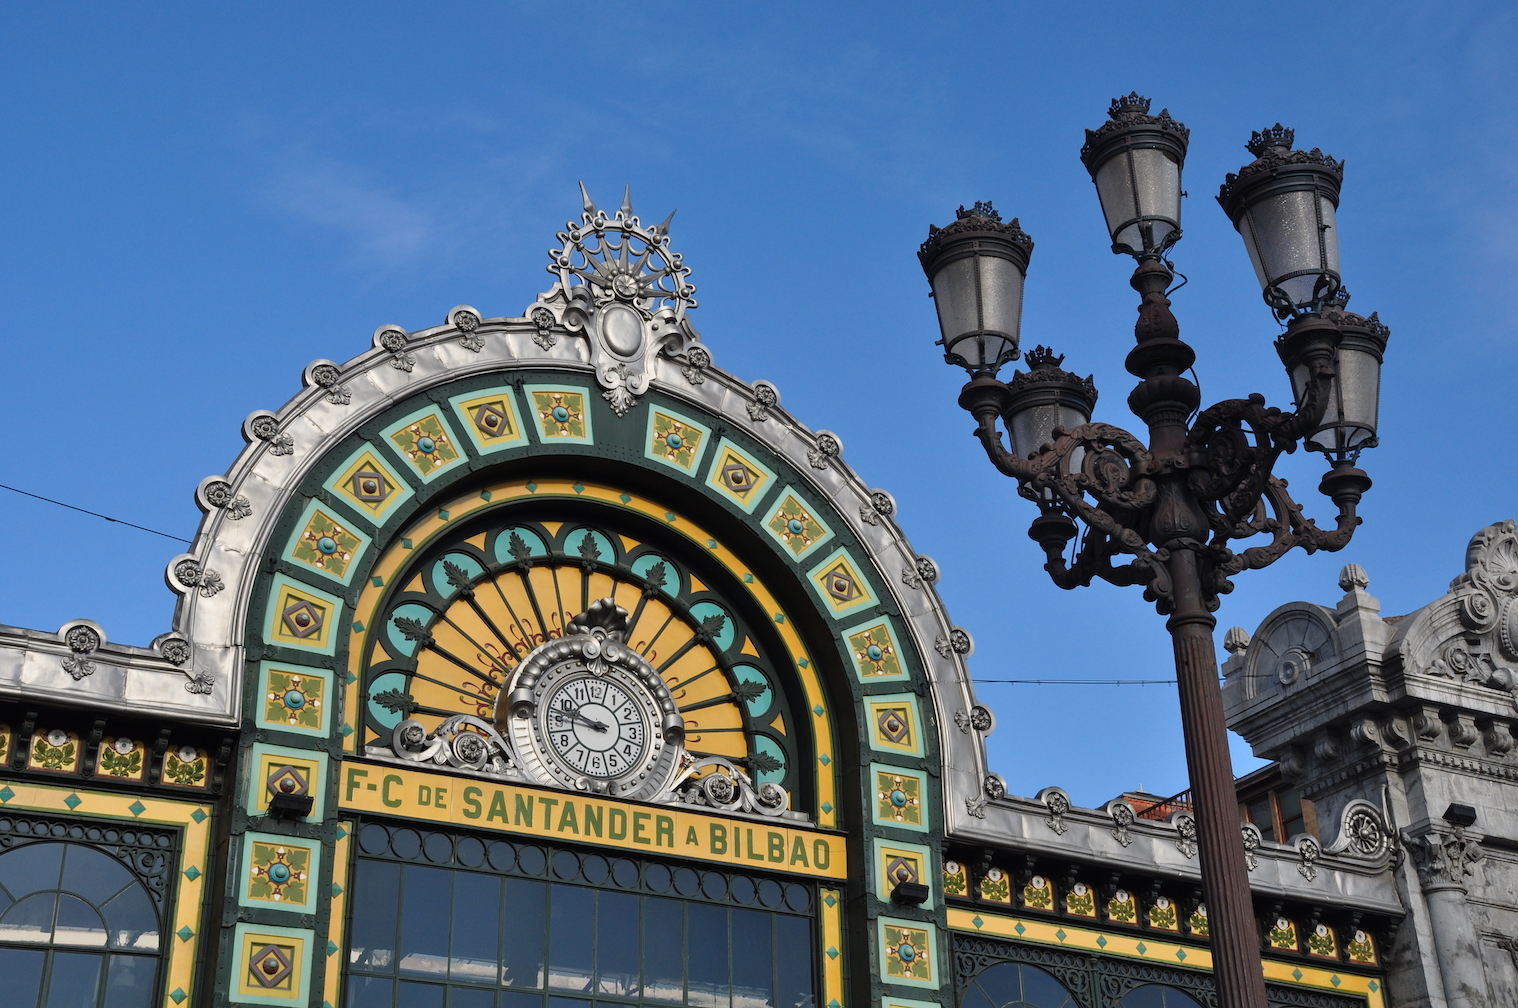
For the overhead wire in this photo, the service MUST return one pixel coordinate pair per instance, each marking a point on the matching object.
(97, 514)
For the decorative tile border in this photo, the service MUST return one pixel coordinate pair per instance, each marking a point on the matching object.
(899, 861)
(300, 616)
(899, 797)
(271, 965)
(332, 979)
(561, 413)
(368, 483)
(1157, 950)
(326, 543)
(894, 724)
(294, 698)
(840, 585)
(425, 441)
(490, 418)
(739, 477)
(279, 872)
(182, 945)
(675, 440)
(908, 952)
(830, 939)
(291, 771)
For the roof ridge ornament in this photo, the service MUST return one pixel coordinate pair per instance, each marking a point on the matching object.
(622, 289)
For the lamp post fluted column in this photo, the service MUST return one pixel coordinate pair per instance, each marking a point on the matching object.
(1204, 478)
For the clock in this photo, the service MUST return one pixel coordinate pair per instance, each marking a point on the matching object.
(588, 712)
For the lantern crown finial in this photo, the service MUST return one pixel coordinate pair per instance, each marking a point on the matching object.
(1132, 103)
(1272, 136)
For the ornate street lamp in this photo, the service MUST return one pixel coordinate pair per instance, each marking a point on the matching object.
(1175, 504)
(976, 266)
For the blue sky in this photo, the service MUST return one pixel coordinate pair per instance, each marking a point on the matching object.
(198, 201)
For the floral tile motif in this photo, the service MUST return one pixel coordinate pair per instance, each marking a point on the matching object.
(873, 646)
(795, 527)
(739, 477)
(5, 743)
(677, 441)
(906, 952)
(1321, 942)
(326, 544)
(186, 766)
(301, 617)
(122, 758)
(279, 872)
(294, 698)
(1122, 907)
(426, 442)
(1163, 914)
(893, 724)
(838, 582)
(900, 797)
(996, 886)
(1080, 900)
(490, 418)
(368, 483)
(273, 965)
(1039, 893)
(956, 879)
(55, 750)
(561, 413)
(1283, 935)
(1198, 923)
(1361, 948)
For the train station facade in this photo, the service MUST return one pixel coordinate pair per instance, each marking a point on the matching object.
(535, 661)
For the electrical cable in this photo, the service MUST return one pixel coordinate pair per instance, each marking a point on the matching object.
(1082, 682)
(97, 514)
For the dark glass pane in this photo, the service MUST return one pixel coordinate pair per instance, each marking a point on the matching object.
(503, 856)
(370, 992)
(658, 878)
(129, 981)
(566, 865)
(1041, 989)
(73, 979)
(31, 919)
(741, 888)
(406, 843)
(753, 965)
(130, 920)
(531, 860)
(1001, 984)
(686, 881)
(470, 852)
(78, 923)
(26, 869)
(425, 897)
(1261, 815)
(94, 876)
(420, 995)
(624, 873)
(793, 962)
(1291, 813)
(798, 897)
(376, 915)
(706, 953)
(439, 848)
(617, 944)
(770, 893)
(595, 869)
(713, 885)
(519, 999)
(525, 911)
(1156, 996)
(976, 998)
(373, 839)
(571, 937)
(21, 970)
(664, 949)
(475, 955)
(470, 997)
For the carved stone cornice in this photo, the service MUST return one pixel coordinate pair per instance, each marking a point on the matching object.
(1453, 761)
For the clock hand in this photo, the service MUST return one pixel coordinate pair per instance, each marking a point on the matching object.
(597, 725)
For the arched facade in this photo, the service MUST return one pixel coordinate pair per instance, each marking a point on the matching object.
(534, 661)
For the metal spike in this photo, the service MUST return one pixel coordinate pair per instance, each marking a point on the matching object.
(627, 203)
(663, 229)
(590, 204)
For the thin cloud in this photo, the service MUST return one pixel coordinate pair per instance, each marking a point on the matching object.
(380, 227)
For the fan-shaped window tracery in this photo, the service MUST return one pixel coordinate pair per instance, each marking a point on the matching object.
(462, 616)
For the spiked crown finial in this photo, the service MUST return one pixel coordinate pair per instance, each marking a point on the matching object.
(1274, 136)
(1132, 103)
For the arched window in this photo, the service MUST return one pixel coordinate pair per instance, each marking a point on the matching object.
(77, 929)
(1014, 985)
(1158, 996)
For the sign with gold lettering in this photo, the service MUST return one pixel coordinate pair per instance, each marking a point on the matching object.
(669, 830)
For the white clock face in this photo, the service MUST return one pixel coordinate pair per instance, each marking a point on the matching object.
(596, 727)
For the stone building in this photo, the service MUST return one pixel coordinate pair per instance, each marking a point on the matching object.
(534, 661)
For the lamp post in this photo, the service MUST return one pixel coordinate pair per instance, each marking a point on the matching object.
(1202, 481)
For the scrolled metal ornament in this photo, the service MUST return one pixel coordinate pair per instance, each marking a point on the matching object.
(717, 783)
(462, 741)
